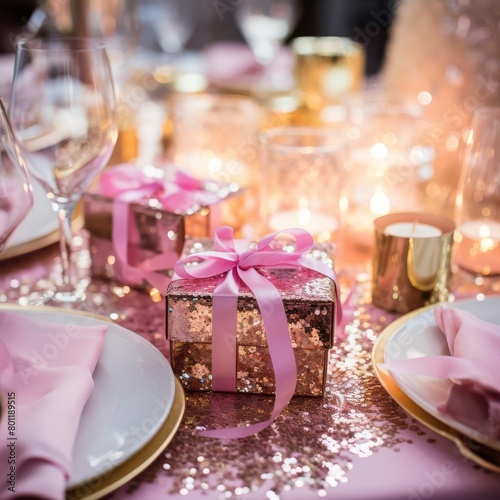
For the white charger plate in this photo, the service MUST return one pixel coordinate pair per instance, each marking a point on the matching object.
(132, 397)
(420, 336)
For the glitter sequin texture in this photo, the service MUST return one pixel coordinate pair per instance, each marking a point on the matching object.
(309, 303)
(314, 441)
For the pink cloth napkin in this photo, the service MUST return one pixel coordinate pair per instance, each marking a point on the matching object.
(45, 381)
(474, 397)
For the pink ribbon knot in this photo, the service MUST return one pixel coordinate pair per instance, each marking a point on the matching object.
(127, 183)
(243, 267)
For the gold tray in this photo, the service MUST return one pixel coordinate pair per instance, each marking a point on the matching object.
(477, 452)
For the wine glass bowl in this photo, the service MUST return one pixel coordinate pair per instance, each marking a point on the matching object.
(16, 196)
(172, 22)
(63, 107)
(265, 24)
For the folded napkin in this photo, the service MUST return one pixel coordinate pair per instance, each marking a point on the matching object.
(473, 367)
(45, 381)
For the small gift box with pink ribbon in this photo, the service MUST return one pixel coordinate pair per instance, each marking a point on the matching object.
(139, 218)
(256, 318)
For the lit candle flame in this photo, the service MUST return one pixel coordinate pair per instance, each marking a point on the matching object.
(486, 243)
(484, 231)
(380, 203)
(304, 216)
(215, 165)
(379, 151)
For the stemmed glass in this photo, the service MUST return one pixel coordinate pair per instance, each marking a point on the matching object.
(265, 24)
(63, 107)
(172, 21)
(16, 196)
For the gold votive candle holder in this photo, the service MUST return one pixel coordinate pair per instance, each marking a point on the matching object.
(412, 260)
(327, 68)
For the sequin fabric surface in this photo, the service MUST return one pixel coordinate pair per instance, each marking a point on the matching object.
(314, 441)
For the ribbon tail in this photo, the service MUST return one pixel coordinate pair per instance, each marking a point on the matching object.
(120, 233)
(122, 223)
(157, 280)
(280, 349)
(224, 349)
(150, 267)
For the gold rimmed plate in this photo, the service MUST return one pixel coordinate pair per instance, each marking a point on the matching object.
(105, 484)
(414, 335)
(132, 414)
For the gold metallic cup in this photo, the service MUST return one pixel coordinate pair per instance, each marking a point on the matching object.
(411, 272)
(327, 68)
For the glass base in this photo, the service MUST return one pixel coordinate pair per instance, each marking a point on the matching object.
(83, 298)
(68, 297)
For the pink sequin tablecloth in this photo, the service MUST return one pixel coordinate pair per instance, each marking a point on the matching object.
(354, 443)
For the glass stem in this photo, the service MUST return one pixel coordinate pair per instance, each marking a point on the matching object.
(65, 216)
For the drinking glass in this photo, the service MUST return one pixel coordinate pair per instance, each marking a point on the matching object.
(265, 24)
(172, 21)
(478, 198)
(63, 106)
(215, 139)
(16, 196)
(301, 180)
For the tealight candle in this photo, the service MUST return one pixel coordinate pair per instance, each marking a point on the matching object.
(411, 266)
(412, 230)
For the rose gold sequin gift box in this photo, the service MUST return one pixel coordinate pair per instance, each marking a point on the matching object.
(309, 301)
(152, 233)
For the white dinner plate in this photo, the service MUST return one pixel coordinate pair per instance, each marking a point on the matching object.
(132, 397)
(37, 230)
(420, 336)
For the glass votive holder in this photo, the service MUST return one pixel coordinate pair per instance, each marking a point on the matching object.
(327, 68)
(477, 249)
(411, 261)
(215, 137)
(381, 179)
(301, 180)
(388, 167)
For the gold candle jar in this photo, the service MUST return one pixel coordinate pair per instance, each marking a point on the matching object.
(412, 261)
(327, 68)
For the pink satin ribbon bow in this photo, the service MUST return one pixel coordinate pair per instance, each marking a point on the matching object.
(243, 267)
(127, 183)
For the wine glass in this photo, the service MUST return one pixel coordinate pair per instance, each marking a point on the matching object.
(63, 107)
(172, 21)
(265, 24)
(16, 195)
(477, 248)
